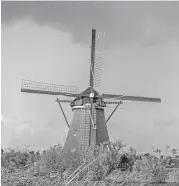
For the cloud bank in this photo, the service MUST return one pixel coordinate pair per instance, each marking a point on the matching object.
(148, 23)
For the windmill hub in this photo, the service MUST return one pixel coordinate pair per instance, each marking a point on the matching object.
(92, 95)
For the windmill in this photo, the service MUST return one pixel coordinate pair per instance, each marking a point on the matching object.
(88, 127)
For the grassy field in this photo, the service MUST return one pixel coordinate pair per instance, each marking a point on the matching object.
(23, 168)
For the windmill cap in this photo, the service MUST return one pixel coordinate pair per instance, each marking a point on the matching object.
(87, 92)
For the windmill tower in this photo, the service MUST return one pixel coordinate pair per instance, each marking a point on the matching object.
(88, 127)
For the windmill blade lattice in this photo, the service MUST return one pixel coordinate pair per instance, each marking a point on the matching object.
(98, 60)
(50, 89)
(130, 98)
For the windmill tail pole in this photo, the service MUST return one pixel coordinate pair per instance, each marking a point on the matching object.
(57, 100)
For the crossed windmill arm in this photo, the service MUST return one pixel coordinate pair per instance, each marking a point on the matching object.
(73, 91)
(50, 89)
(130, 98)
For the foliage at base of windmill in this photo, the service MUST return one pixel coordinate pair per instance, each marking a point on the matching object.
(48, 168)
(16, 158)
(151, 169)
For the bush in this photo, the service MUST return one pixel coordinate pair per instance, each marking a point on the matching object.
(51, 162)
(151, 169)
(12, 155)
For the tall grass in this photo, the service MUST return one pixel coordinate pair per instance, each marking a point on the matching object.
(48, 167)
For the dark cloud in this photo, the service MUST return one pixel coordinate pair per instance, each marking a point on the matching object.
(123, 22)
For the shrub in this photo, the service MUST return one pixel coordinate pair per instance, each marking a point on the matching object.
(52, 159)
(151, 169)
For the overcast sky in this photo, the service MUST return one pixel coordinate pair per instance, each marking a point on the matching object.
(50, 42)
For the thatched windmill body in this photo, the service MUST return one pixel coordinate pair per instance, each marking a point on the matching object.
(88, 127)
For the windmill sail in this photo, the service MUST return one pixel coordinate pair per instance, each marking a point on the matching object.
(50, 89)
(130, 98)
(96, 57)
(98, 60)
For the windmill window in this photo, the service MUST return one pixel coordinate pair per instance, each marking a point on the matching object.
(85, 100)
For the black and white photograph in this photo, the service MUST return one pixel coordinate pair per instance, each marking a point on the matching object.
(90, 93)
